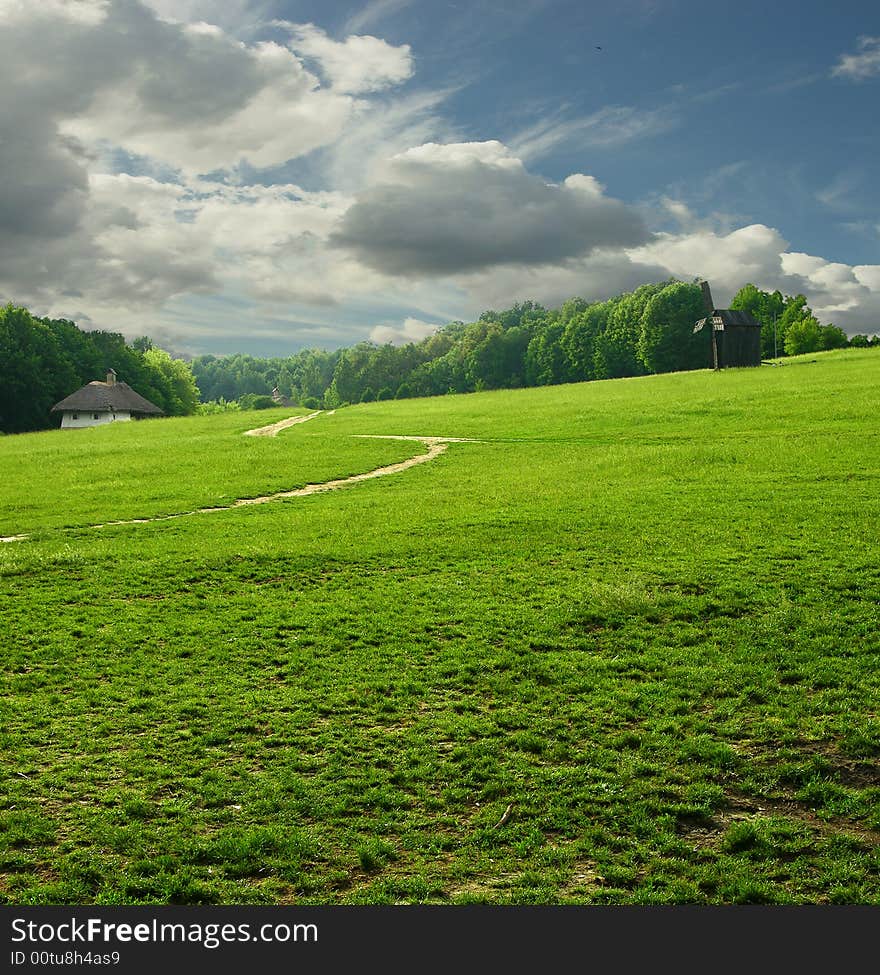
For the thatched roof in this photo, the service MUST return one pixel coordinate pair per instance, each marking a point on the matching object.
(107, 396)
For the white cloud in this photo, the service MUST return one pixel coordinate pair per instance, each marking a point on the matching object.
(727, 261)
(201, 101)
(683, 215)
(87, 12)
(379, 129)
(267, 241)
(838, 293)
(188, 94)
(145, 254)
(356, 65)
(460, 156)
(847, 296)
(179, 99)
(803, 265)
(868, 275)
(240, 17)
(607, 128)
(863, 65)
(412, 330)
(373, 12)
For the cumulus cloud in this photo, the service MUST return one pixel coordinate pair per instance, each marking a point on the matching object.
(847, 296)
(446, 209)
(412, 330)
(154, 240)
(838, 293)
(356, 65)
(200, 101)
(186, 93)
(864, 64)
(726, 260)
(92, 82)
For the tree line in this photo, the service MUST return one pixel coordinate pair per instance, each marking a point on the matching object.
(44, 360)
(649, 330)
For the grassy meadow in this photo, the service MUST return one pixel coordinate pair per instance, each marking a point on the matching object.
(624, 649)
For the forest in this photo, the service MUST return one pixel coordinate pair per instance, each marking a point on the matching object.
(649, 330)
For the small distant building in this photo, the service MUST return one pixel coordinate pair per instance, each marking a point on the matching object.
(103, 402)
(280, 399)
(736, 335)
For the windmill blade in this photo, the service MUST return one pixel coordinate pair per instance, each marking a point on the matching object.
(708, 304)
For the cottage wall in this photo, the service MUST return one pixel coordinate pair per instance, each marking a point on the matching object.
(72, 420)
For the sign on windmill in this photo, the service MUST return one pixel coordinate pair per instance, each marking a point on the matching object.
(736, 335)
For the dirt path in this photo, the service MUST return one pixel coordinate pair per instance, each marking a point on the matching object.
(275, 428)
(435, 447)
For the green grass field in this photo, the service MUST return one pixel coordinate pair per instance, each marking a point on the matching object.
(622, 650)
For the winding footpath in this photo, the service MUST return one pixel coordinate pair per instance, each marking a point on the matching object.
(275, 428)
(435, 447)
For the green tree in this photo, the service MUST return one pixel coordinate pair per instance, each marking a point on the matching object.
(345, 379)
(34, 374)
(494, 356)
(89, 362)
(795, 311)
(315, 370)
(579, 338)
(667, 342)
(546, 362)
(174, 382)
(436, 377)
(832, 337)
(616, 349)
(523, 314)
(330, 400)
(572, 309)
(802, 336)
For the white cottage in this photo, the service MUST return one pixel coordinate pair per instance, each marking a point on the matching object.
(106, 402)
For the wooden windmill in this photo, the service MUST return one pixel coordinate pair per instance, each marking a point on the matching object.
(736, 335)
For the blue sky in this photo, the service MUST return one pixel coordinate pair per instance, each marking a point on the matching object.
(263, 177)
